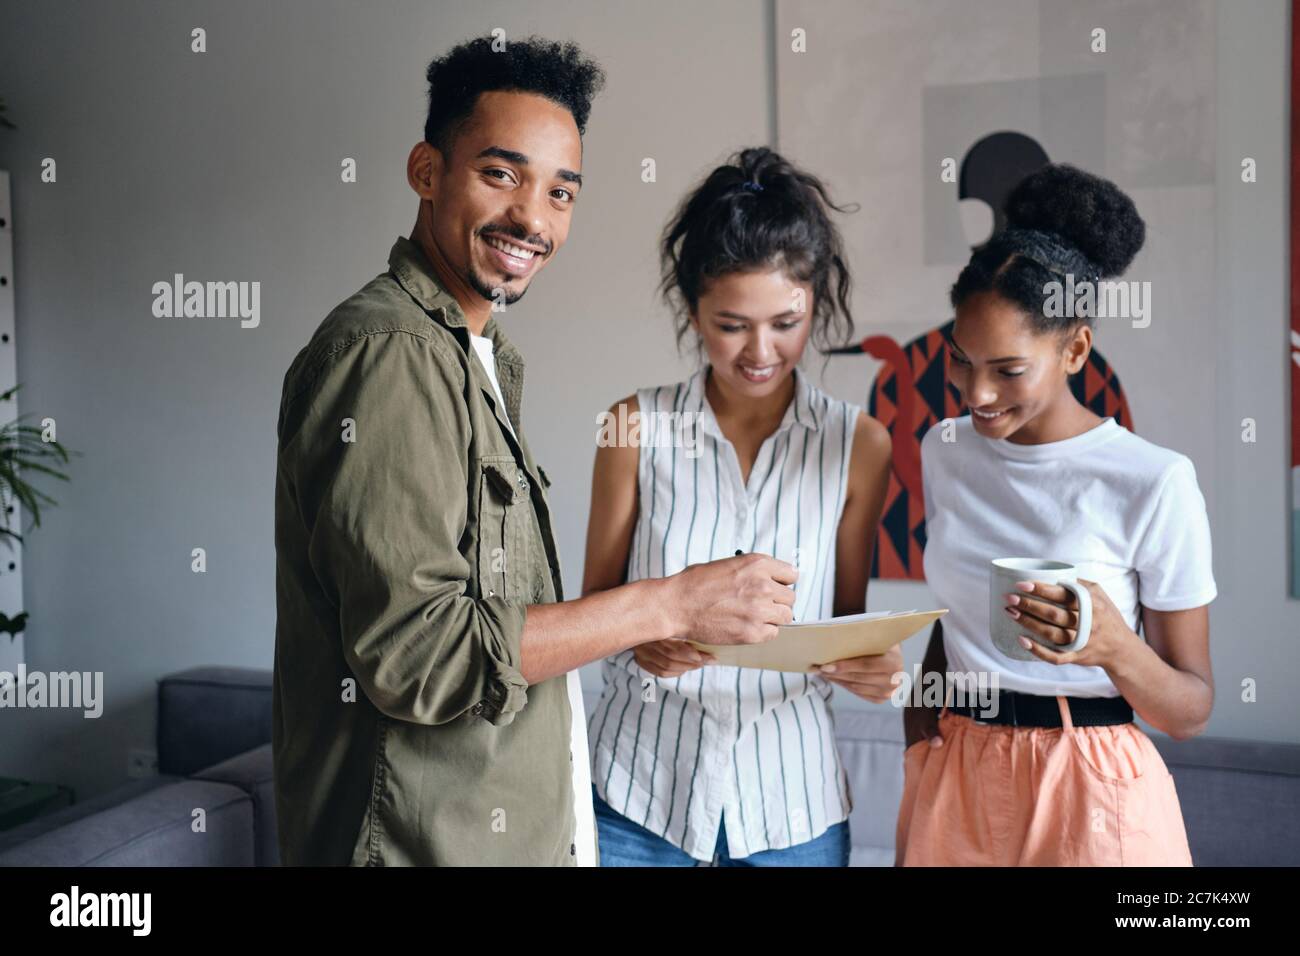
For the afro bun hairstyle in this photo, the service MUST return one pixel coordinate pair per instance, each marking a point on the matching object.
(1061, 222)
(1087, 212)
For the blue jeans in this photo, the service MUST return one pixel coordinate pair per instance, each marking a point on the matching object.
(624, 843)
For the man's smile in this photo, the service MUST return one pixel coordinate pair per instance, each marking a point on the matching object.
(513, 257)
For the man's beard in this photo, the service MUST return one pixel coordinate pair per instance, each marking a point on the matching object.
(489, 292)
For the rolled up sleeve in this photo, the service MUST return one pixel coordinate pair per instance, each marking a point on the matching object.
(381, 465)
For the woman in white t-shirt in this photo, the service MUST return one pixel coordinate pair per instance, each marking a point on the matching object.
(1061, 775)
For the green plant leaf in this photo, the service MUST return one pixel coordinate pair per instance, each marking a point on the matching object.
(13, 626)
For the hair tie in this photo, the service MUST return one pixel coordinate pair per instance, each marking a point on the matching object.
(752, 187)
(1051, 251)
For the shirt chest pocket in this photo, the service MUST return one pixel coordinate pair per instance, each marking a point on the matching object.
(504, 531)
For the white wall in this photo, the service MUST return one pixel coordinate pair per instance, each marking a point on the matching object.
(1190, 87)
(226, 166)
(1256, 626)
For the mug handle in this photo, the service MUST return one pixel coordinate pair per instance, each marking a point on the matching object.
(1084, 598)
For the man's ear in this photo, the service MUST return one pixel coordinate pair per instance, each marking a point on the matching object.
(424, 168)
(1077, 348)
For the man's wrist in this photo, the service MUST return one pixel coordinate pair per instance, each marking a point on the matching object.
(660, 597)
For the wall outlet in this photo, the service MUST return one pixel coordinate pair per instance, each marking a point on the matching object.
(141, 763)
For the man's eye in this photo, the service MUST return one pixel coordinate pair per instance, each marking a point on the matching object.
(491, 172)
(565, 191)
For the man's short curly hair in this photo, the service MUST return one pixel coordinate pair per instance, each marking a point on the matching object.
(558, 71)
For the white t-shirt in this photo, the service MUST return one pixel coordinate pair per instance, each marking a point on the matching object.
(583, 812)
(1128, 513)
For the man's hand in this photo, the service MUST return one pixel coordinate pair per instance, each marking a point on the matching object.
(740, 600)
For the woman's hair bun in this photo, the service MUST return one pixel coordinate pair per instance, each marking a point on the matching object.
(1088, 212)
(758, 163)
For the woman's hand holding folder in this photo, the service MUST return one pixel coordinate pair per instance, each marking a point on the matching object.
(669, 658)
(868, 677)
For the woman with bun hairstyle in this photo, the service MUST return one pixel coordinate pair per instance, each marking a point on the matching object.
(697, 762)
(1062, 776)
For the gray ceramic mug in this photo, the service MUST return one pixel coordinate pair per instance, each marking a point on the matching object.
(1006, 630)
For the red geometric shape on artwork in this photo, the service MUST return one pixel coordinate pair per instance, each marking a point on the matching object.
(1092, 382)
(923, 396)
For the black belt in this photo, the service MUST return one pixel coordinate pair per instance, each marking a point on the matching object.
(1035, 710)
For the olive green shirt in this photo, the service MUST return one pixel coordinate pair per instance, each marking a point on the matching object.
(411, 532)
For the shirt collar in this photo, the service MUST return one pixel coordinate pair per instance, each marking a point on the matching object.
(416, 275)
(806, 409)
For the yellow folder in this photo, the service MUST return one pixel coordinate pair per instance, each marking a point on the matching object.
(802, 648)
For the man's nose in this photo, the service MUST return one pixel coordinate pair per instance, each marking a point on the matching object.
(528, 214)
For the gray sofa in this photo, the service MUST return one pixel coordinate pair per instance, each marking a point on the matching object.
(214, 724)
(1239, 798)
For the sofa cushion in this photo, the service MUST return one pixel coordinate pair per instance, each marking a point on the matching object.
(84, 808)
(871, 749)
(1238, 799)
(153, 829)
(251, 772)
(207, 714)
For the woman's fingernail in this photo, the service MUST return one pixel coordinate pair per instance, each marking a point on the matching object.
(828, 668)
(1012, 598)
(1012, 611)
(936, 741)
(1024, 642)
(1025, 585)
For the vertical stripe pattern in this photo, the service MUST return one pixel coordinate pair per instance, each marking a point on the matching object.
(752, 751)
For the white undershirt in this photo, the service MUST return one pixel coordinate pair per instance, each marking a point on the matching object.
(583, 813)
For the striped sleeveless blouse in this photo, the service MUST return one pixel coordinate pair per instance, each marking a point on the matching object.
(751, 750)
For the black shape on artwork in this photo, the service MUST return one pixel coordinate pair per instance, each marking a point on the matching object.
(994, 165)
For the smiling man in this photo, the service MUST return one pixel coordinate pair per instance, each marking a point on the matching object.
(426, 704)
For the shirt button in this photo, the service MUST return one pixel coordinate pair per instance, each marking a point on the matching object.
(573, 850)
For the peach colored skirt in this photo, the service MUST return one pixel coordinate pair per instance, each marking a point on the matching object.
(996, 795)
